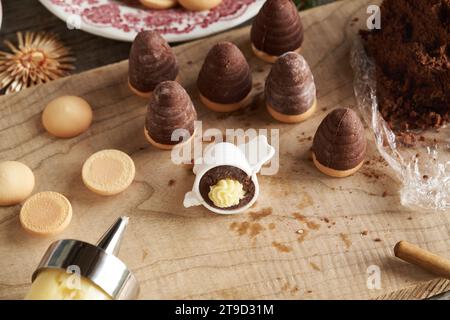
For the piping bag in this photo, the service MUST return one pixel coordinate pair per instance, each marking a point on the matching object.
(77, 270)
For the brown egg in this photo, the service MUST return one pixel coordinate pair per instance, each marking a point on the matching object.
(67, 116)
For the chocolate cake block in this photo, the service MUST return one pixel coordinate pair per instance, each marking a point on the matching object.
(412, 56)
(225, 76)
(340, 142)
(151, 62)
(277, 28)
(290, 87)
(170, 108)
(214, 175)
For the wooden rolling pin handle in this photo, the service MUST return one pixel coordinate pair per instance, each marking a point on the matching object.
(423, 258)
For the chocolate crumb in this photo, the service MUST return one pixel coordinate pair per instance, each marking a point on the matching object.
(171, 182)
(412, 64)
(257, 215)
(345, 238)
(302, 236)
(314, 266)
(312, 225)
(255, 229)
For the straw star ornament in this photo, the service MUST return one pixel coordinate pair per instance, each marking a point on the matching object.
(37, 58)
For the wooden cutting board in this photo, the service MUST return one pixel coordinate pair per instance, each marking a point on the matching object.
(177, 253)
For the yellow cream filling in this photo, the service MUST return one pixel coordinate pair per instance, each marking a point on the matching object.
(226, 193)
(57, 284)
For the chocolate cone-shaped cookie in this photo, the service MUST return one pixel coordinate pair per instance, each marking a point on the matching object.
(339, 146)
(290, 90)
(170, 108)
(151, 62)
(276, 29)
(225, 80)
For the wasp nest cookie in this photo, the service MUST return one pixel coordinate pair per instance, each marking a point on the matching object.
(276, 29)
(290, 90)
(170, 108)
(225, 80)
(151, 62)
(339, 145)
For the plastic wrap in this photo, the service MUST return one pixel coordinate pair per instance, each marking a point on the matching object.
(424, 167)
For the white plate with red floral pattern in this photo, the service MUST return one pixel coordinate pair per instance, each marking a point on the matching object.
(122, 20)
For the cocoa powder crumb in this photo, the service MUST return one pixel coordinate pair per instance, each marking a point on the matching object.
(281, 247)
(412, 68)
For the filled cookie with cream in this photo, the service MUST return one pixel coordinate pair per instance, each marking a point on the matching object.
(227, 187)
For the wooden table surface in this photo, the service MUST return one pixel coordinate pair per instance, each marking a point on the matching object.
(35, 17)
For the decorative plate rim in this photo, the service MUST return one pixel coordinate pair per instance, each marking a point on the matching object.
(116, 34)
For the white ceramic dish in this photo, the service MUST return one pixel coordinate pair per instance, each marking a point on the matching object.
(249, 157)
(122, 20)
